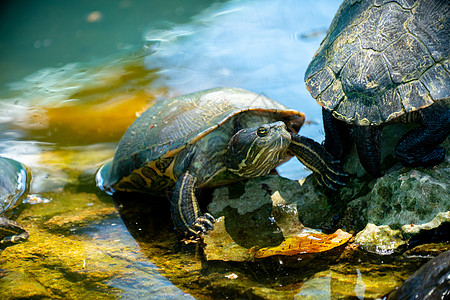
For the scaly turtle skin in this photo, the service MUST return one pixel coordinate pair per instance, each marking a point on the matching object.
(429, 282)
(384, 62)
(13, 183)
(207, 139)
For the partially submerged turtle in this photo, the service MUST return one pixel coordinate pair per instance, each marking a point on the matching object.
(431, 281)
(383, 62)
(13, 183)
(207, 139)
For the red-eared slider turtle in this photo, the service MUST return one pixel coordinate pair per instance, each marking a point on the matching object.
(383, 62)
(13, 182)
(431, 281)
(207, 139)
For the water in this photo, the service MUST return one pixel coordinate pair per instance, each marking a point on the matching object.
(76, 74)
(262, 46)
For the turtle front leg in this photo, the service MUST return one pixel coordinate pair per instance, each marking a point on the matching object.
(185, 210)
(317, 159)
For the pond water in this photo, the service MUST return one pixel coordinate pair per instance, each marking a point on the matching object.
(76, 74)
(87, 58)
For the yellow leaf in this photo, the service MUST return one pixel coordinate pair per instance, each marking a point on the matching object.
(306, 243)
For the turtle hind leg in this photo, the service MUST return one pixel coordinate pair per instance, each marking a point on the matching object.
(421, 146)
(185, 210)
(317, 159)
(337, 137)
(368, 146)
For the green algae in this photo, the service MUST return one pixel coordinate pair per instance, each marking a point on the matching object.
(82, 253)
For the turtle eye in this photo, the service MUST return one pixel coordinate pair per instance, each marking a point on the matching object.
(262, 131)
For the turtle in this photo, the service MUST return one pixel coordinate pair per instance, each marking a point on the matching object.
(13, 184)
(430, 281)
(383, 62)
(207, 139)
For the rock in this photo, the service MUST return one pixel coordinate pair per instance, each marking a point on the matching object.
(384, 240)
(95, 259)
(69, 221)
(272, 191)
(24, 286)
(428, 250)
(379, 239)
(405, 196)
(220, 246)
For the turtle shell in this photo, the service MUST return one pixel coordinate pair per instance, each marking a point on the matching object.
(381, 59)
(171, 125)
(13, 183)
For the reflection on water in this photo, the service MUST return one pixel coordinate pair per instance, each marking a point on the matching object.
(82, 72)
(40, 34)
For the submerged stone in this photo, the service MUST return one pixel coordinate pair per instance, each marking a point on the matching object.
(79, 248)
(219, 245)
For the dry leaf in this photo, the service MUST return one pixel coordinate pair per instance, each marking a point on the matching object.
(307, 243)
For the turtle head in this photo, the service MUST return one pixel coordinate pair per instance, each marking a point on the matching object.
(254, 152)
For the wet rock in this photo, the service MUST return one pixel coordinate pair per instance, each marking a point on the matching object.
(379, 239)
(24, 287)
(246, 231)
(99, 259)
(403, 197)
(273, 191)
(384, 240)
(427, 250)
(72, 220)
(402, 206)
(220, 246)
(359, 282)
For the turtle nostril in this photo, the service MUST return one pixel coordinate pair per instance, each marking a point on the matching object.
(280, 125)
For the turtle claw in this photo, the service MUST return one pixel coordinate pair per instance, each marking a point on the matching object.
(312, 154)
(332, 183)
(202, 224)
(335, 168)
(332, 177)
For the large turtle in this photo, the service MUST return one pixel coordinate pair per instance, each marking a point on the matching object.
(207, 139)
(13, 183)
(385, 61)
